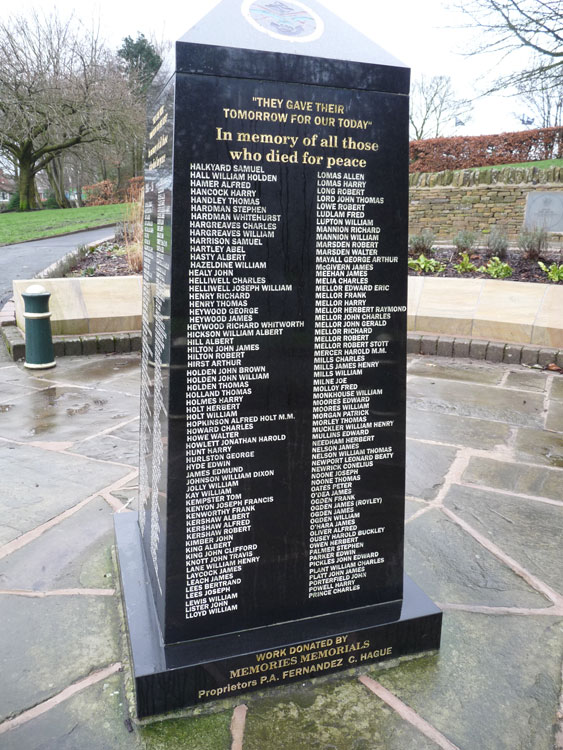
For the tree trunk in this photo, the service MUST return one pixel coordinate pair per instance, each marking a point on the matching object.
(55, 174)
(78, 187)
(26, 185)
(36, 197)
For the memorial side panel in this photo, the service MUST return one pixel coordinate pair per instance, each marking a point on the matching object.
(288, 353)
(153, 471)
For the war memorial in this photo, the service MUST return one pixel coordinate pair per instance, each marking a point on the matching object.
(268, 545)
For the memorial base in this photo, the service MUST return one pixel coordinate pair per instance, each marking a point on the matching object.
(171, 677)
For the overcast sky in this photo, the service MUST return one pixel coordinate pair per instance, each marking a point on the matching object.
(424, 35)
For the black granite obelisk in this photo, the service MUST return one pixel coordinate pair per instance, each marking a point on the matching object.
(268, 545)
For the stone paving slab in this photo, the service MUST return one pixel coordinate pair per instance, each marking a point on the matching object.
(110, 372)
(75, 553)
(556, 392)
(469, 372)
(426, 467)
(484, 457)
(11, 386)
(454, 429)
(412, 507)
(73, 725)
(527, 381)
(66, 411)
(452, 567)
(539, 446)
(494, 685)
(199, 733)
(49, 643)
(32, 496)
(485, 402)
(554, 419)
(128, 431)
(526, 480)
(343, 716)
(109, 448)
(528, 530)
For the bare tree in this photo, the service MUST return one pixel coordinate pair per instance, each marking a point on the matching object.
(59, 87)
(543, 99)
(435, 110)
(510, 25)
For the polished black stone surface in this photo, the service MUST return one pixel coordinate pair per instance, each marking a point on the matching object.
(272, 429)
(168, 678)
(276, 587)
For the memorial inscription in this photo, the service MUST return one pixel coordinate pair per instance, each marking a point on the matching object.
(273, 400)
(544, 210)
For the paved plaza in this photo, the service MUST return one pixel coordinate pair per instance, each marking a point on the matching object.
(484, 520)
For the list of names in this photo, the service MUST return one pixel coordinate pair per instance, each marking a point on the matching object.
(345, 439)
(228, 270)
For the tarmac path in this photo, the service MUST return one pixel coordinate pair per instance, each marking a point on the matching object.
(26, 259)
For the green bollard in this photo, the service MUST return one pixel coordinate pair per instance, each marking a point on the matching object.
(39, 353)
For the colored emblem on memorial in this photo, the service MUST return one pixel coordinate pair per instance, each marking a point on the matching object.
(291, 21)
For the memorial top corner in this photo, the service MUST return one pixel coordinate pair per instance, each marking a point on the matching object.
(287, 40)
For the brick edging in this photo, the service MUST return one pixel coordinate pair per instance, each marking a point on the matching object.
(73, 346)
(417, 343)
(489, 351)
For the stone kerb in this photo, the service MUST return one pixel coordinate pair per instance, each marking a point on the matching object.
(486, 310)
(98, 305)
(507, 311)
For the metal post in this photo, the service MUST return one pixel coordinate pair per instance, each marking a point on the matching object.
(39, 352)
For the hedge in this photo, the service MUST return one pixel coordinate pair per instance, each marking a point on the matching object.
(463, 152)
(106, 192)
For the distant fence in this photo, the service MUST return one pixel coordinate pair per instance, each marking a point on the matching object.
(462, 152)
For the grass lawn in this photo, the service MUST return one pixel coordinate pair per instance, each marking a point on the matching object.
(32, 225)
(546, 164)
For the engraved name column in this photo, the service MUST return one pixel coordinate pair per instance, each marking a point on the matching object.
(228, 222)
(347, 353)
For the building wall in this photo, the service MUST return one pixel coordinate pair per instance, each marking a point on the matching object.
(447, 202)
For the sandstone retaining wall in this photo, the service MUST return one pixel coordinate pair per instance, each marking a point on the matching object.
(447, 202)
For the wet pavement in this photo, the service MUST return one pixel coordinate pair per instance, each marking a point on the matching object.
(484, 510)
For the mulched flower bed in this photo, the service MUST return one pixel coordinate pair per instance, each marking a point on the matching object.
(522, 269)
(108, 259)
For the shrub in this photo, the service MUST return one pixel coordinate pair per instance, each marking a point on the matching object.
(130, 230)
(465, 265)
(464, 152)
(554, 272)
(497, 242)
(465, 240)
(134, 190)
(422, 264)
(51, 201)
(496, 269)
(101, 194)
(422, 243)
(14, 202)
(533, 241)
